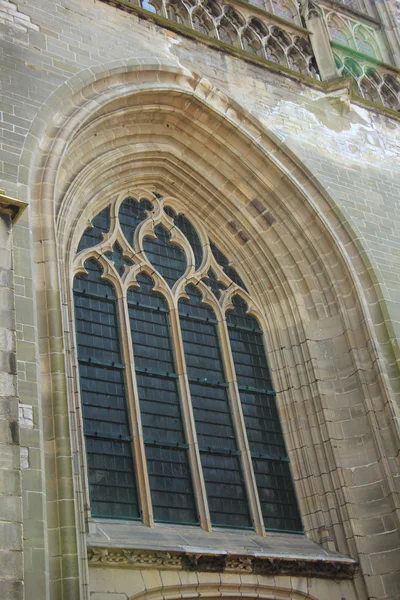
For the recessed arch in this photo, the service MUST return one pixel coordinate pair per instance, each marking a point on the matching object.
(202, 590)
(308, 267)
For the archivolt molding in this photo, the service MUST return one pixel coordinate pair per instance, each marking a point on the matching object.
(306, 270)
(229, 591)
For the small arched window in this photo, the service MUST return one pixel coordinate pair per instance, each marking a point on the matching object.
(179, 412)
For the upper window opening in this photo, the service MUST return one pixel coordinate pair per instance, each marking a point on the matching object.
(131, 213)
(165, 373)
(94, 233)
(226, 267)
(166, 257)
(103, 396)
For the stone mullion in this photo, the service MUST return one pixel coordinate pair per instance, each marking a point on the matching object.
(135, 420)
(240, 429)
(189, 423)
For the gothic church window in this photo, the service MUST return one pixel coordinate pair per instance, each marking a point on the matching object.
(179, 412)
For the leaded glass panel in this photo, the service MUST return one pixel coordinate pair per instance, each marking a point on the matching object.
(166, 449)
(105, 417)
(215, 433)
(168, 258)
(103, 363)
(94, 234)
(224, 264)
(264, 432)
(131, 213)
(192, 236)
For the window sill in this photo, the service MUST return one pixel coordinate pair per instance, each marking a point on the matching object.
(131, 544)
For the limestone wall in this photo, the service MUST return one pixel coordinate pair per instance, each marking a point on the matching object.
(12, 456)
(52, 50)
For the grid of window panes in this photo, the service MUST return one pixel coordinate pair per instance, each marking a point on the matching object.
(166, 449)
(191, 234)
(166, 257)
(215, 433)
(104, 403)
(93, 235)
(131, 213)
(264, 432)
(106, 423)
(185, 226)
(224, 264)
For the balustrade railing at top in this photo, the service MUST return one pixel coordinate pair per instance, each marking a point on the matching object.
(361, 52)
(260, 33)
(357, 42)
(373, 81)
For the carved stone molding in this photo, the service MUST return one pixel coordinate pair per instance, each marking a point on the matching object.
(266, 565)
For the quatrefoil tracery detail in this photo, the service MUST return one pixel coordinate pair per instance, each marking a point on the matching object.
(130, 235)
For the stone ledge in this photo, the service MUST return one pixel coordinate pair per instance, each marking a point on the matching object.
(223, 562)
(183, 547)
(11, 206)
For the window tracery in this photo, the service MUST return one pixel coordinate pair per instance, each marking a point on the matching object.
(285, 9)
(365, 42)
(372, 84)
(179, 413)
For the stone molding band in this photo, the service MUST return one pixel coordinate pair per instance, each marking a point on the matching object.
(328, 568)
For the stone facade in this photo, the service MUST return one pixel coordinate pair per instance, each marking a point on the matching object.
(297, 177)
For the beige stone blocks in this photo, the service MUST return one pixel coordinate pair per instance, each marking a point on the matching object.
(101, 102)
(105, 584)
(11, 545)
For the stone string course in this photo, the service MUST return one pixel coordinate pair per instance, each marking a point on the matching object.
(215, 563)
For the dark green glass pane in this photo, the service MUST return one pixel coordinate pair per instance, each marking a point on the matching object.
(111, 479)
(166, 450)
(104, 408)
(118, 258)
(131, 213)
(212, 281)
(224, 264)
(191, 235)
(93, 235)
(167, 258)
(264, 432)
(215, 434)
(170, 211)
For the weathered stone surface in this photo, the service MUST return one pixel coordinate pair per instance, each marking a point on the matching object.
(301, 186)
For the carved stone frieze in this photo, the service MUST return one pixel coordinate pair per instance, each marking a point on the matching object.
(266, 565)
(133, 558)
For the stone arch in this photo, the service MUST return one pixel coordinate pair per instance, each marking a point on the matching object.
(339, 30)
(365, 41)
(200, 590)
(307, 270)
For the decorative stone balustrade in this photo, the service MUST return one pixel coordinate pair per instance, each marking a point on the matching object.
(361, 52)
(374, 81)
(345, 44)
(243, 26)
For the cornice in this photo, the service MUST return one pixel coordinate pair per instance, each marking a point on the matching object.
(222, 562)
(11, 206)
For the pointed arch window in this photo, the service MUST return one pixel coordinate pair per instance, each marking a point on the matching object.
(179, 413)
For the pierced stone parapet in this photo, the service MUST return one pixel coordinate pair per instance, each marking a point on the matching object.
(374, 81)
(245, 27)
